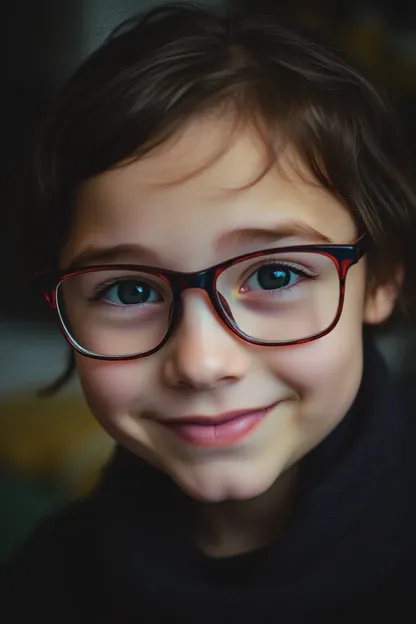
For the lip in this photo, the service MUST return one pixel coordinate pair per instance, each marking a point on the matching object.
(221, 430)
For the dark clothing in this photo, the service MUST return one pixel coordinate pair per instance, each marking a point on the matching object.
(126, 554)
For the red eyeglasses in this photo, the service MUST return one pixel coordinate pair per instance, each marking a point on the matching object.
(282, 296)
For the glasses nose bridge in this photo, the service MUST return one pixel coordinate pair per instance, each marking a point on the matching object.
(202, 280)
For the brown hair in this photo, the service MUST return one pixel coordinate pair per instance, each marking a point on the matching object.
(158, 70)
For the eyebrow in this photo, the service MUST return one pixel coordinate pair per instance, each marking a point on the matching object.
(97, 255)
(287, 230)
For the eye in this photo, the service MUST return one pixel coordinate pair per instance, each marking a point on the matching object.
(273, 277)
(129, 292)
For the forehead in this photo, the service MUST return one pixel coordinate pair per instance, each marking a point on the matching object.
(182, 199)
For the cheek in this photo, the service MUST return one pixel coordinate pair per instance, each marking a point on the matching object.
(321, 367)
(113, 388)
(325, 374)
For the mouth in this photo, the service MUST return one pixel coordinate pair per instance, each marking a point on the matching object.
(223, 430)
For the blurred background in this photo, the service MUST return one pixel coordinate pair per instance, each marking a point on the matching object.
(51, 450)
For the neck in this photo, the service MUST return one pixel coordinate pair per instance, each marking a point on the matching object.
(235, 527)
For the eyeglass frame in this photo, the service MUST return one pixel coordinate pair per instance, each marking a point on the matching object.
(343, 256)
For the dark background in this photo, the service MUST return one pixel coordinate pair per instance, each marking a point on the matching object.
(47, 39)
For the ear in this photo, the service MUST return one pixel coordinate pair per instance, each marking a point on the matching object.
(381, 299)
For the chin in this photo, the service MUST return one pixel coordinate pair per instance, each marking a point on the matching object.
(237, 487)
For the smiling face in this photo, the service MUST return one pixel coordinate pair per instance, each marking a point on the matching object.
(169, 211)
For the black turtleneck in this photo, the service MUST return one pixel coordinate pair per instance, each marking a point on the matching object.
(126, 554)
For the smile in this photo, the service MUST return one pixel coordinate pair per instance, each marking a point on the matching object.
(223, 430)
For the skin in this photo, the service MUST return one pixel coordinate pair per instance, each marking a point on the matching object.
(184, 213)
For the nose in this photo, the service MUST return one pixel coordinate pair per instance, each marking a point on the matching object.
(203, 353)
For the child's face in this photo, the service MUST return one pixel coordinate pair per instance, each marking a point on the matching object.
(186, 221)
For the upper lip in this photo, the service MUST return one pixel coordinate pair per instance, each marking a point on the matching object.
(219, 419)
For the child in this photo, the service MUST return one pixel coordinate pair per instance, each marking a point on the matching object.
(265, 465)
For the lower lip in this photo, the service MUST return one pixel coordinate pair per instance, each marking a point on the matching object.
(224, 434)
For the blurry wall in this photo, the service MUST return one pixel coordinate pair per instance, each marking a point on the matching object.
(99, 17)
